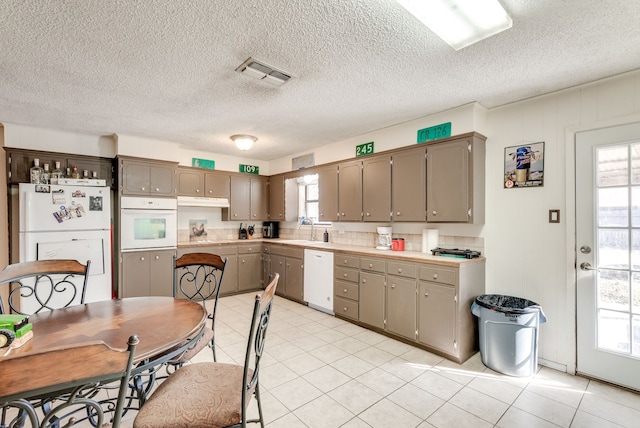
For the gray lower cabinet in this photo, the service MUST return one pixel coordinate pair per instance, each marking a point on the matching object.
(288, 262)
(422, 302)
(346, 288)
(372, 296)
(147, 273)
(401, 306)
(250, 267)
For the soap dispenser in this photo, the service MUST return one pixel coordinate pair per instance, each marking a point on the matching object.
(325, 236)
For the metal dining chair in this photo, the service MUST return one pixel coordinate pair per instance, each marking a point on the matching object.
(213, 394)
(70, 380)
(44, 285)
(198, 277)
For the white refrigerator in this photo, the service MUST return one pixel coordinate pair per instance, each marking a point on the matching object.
(68, 222)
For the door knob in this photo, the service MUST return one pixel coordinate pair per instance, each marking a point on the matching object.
(586, 266)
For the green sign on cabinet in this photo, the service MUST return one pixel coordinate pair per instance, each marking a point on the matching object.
(434, 132)
(203, 163)
(249, 169)
(364, 149)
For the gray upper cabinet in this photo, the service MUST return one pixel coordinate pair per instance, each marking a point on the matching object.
(408, 185)
(147, 178)
(190, 182)
(350, 191)
(259, 198)
(455, 180)
(328, 193)
(276, 198)
(196, 182)
(376, 188)
(216, 184)
(240, 201)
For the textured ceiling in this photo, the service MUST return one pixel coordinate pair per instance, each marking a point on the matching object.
(164, 69)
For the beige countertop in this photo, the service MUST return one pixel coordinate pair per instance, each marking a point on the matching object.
(413, 256)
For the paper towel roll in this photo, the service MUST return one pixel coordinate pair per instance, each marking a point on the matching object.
(429, 239)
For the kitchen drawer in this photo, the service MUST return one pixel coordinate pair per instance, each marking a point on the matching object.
(250, 249)
(346, 274)
(375, 265)
(345, 308)
(439, 274)
(282, 250)
(346, 290)
(401, 269)
(346, 261)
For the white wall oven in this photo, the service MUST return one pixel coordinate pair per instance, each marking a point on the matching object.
(148, 223)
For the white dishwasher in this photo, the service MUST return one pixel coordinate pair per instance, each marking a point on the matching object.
(318, 280)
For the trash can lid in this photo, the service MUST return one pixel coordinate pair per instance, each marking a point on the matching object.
(507, 304)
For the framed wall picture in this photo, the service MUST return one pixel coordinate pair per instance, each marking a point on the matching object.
(524, 165)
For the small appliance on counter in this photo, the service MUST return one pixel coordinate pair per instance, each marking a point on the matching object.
(250, 231)
(397, 244)
(454, 252)
(383, 240)
(242, 233)
(270, 229)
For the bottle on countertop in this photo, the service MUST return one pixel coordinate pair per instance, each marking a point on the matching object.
(56, 174)
(85, 174)
(325, 236)
(68, 174)
(74, 172)
(36, 172)
(46, 174)
(94, 175)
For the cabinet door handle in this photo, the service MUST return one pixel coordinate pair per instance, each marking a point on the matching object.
(142, 188)
(235, 214)
(210, 191)
(393, 286)
(370, 265)
(242, 260)
(344, 309)
(368, 214)
(364, 280)
(197, 190)
(141, 259)
(345, 290)
(399, 270)
(343, 214)
(435, 276)
(157, 257)
(345, 275)
(157, 189)
(426, 294)
(434, 212)
(398, 213)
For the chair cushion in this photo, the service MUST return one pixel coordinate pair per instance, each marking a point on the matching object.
(196, 395)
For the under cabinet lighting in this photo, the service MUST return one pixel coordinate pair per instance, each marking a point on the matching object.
(460, 23)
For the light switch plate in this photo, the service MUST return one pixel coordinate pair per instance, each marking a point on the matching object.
(554, 216)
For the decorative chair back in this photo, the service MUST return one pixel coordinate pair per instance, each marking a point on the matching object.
(256, 342)
(68, 380)
(44, 285)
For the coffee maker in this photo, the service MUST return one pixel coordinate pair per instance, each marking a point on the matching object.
(270, 229)
(383, 240)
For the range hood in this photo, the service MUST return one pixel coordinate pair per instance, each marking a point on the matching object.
(196, 201)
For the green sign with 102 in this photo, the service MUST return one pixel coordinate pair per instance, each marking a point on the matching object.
(249, 169)
(434, 132)
(364, 149)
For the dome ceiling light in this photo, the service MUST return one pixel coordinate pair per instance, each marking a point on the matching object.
(243, 142)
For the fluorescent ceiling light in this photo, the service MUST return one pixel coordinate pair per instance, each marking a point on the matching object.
(460, 23)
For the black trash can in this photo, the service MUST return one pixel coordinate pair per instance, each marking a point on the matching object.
(508, 333)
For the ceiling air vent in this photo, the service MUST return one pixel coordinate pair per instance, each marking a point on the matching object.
(264, 72)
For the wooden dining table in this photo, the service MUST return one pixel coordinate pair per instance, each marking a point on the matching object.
(165, 326)
(161, 323)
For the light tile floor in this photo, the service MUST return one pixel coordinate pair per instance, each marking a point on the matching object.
(322, 372)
